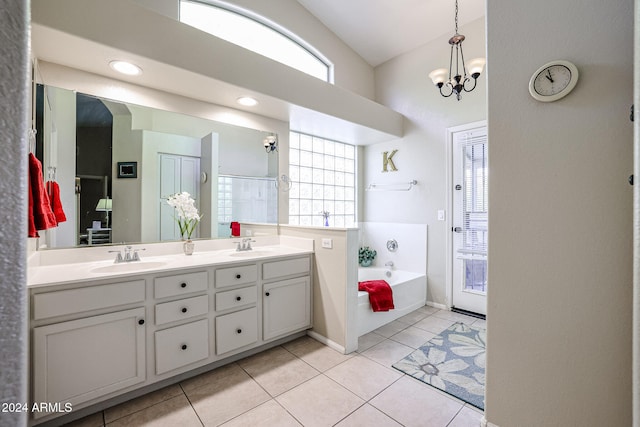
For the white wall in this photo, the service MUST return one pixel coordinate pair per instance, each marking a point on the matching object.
(403, 85)
(411, 239)
(560, 217)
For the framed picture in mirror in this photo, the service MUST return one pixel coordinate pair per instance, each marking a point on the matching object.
(127, 169)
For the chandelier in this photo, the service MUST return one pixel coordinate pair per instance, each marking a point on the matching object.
(456, 81)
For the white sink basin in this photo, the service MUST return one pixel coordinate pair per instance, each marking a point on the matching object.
(129, 267)
(251, 253)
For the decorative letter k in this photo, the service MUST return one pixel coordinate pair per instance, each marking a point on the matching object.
(387, 161)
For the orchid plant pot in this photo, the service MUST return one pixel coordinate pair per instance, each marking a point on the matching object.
(188, 246)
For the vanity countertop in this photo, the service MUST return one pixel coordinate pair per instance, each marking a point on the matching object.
(61, 273)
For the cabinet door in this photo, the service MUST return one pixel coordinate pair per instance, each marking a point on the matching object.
(286, 307)
(83, 359)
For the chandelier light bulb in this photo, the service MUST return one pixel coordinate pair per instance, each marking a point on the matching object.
(476, 66)
(438, 76)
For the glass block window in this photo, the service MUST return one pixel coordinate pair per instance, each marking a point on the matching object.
(323, 178)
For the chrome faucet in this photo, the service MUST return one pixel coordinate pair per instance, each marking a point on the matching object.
(130, 255)
(245, 245)
(388, 264)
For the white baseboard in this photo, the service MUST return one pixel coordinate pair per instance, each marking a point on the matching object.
(437, 305)
(326, 341)
(485, 423)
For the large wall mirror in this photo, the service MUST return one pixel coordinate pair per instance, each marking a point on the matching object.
(116, 163)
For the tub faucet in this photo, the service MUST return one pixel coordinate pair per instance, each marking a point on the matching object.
(388, 264)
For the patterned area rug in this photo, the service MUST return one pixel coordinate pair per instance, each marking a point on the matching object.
(453, 362)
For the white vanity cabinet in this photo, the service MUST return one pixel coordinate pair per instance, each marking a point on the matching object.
(286, 304)
(89, 342)
(95, 340)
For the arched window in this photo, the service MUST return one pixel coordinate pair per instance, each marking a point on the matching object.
(255, 33)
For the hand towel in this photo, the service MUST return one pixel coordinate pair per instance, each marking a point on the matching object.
(380, 294)
(39, 207)
(32, 225)
(56, 204)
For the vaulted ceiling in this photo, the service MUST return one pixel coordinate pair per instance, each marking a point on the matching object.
(379, 30)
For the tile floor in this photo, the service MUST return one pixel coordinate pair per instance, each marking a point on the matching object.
(306, 383)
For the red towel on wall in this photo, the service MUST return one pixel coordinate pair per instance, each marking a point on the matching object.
(56, 204)
(40, 215)
(380, 294)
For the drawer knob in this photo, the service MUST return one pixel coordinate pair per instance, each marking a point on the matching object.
(239, 331)
(238, 276)
(238, 298)
(141, 322)
(184, 346)
(183, 285)
(184, 309)
(267, 293)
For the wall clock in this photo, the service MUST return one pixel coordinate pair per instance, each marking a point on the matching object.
(553, 81)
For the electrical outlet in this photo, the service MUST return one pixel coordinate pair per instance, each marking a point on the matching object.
(327, 243)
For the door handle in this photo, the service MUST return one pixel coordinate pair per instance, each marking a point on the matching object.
(457, 229)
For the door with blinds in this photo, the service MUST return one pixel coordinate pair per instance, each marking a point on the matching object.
(470, 219)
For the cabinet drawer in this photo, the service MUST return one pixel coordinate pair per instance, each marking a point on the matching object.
(236, 330)
(181, 345)
(287, 267)
(181, 309)
(236, 298)
(236, 275)
(180, 284)
(59, 303)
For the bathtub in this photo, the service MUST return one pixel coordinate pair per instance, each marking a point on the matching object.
(409, 293)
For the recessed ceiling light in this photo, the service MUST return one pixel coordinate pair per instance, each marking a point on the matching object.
(125, 67)
(247, 101)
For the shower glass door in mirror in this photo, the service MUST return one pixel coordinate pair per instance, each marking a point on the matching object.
(470, 219)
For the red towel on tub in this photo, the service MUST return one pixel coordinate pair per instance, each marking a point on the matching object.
(380, 294)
